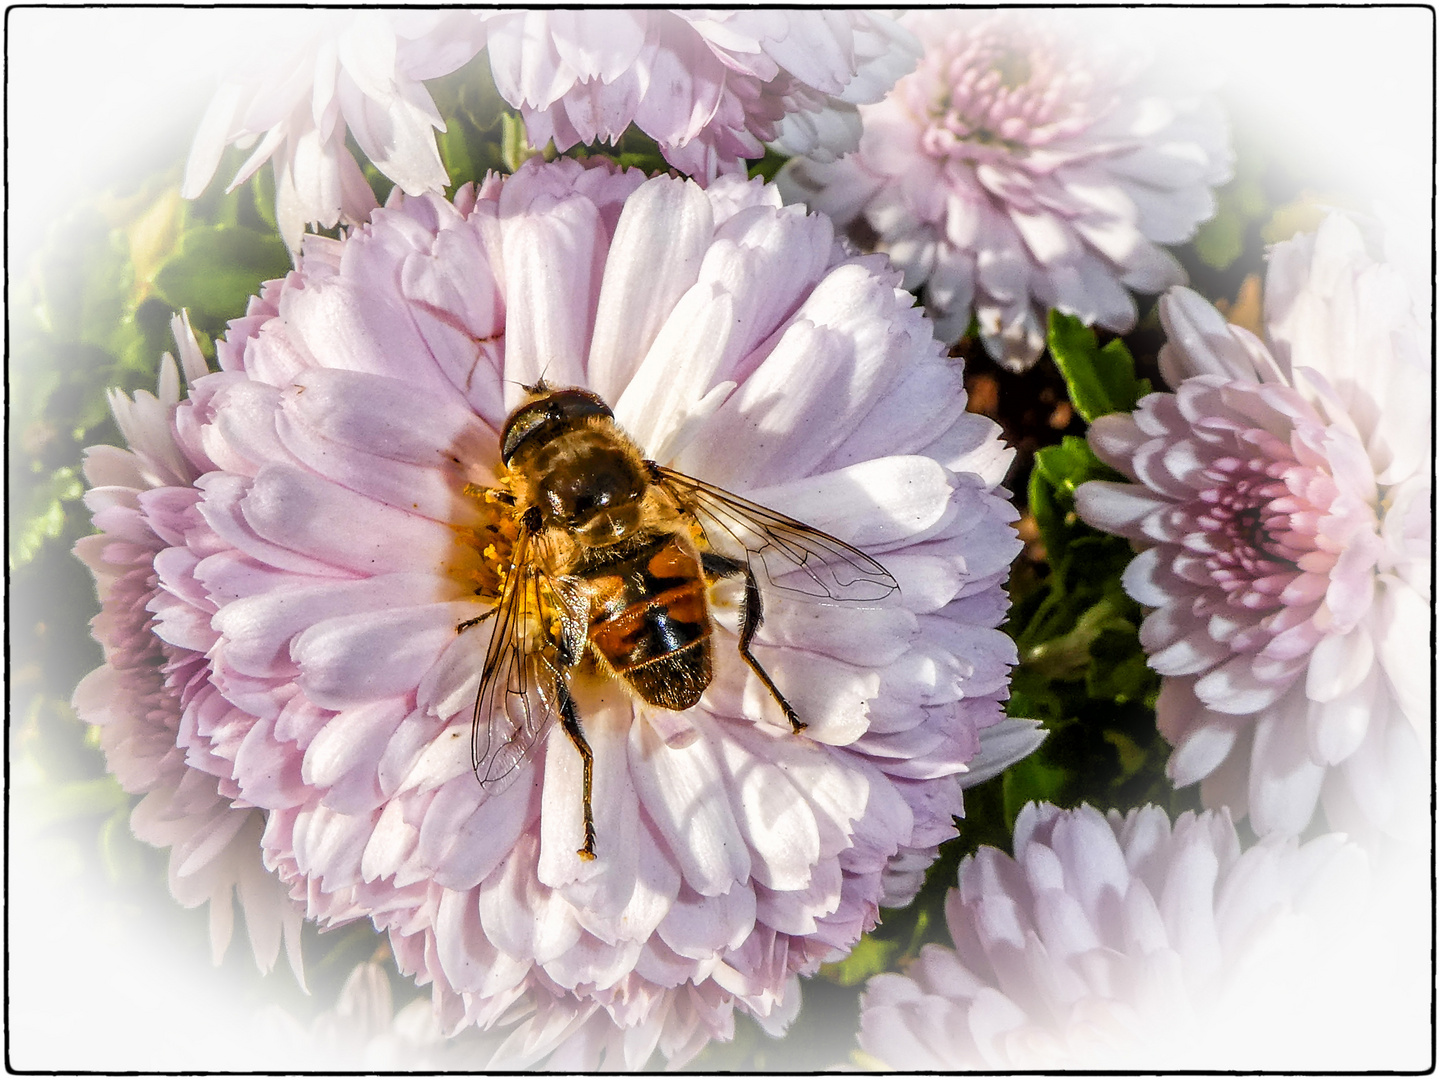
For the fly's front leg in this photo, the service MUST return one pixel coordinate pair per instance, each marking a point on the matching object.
(571, 723)
(752, 614)
(468, 623)
(491, 495)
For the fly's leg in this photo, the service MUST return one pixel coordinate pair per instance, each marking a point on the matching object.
(468, 623)
(751, 616)
(571, 723)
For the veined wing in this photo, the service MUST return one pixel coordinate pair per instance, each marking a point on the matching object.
(515, 705)
(827, 568)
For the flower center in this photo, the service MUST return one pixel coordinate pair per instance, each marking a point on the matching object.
(1014, 69)
(995, 89)
(1243, 526)
(493, 539)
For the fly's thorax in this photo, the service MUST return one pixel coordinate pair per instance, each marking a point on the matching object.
(588, 481)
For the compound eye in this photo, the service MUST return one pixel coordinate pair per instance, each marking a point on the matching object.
(541, 420)
(522, 425)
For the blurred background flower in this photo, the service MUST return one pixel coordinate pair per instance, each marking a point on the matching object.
(711, 88)
(1026, 165)
(155, 668)
(1281, 498)
(335, 75)
(363, 1031)
(1105, 942)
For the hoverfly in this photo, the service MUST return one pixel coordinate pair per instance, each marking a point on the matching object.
(611, 566)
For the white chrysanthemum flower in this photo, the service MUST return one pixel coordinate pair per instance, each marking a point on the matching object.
(154, 682)
(711, 87)
(1019, 169)
(359, 405)
(364, 1032)
(361, 73)
(1105, 942)
(1281, 496)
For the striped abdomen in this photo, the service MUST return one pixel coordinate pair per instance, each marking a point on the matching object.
(650, 621)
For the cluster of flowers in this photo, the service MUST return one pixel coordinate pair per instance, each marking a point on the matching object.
(287, 550)
(711, 88)
(1280, 500)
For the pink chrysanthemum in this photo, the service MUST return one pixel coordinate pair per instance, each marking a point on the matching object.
(1105, 942)
(1281, 498)
(338, 540)
(1016, 171)
(711, 87)
(364, 1032)
(154, 682)
(361, 74)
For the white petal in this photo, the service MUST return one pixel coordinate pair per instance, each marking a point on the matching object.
(1339, 664)
(1284, 780)
(677, 789)
(210, 138)
(1200, 341)
(1187, 904)
(349, 661)
(775, 818)
(553, 253)
(874, 504)
(1402, 645)
(1337, 725)
(1118, 508)
(678, 371)
(1002, 745)
(1202, 750)
(662, 236)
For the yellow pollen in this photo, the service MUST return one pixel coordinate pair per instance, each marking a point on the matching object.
(493, 539)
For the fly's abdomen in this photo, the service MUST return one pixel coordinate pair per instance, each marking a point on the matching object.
(650, 621)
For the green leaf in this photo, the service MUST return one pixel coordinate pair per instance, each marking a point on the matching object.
(262, 186)
(515, 148)
(120, 851)
(218, 267)
(84, 798)
(1059, 470)
(1303, 215)
(1068, 655)
(454, 147)
(1221, 240)
(1068, 464)
(1119, 671)
(768, 166)
(869, 1062)
(81, 280)
(644, 160)
(46, 516)
(869, 957)
(1100, 381)
(1032, 779)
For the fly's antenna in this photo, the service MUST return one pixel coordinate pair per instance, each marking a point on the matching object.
(540, 386)
(533, 391)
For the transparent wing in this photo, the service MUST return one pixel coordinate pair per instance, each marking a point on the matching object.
(515, 705)
(827, 568)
